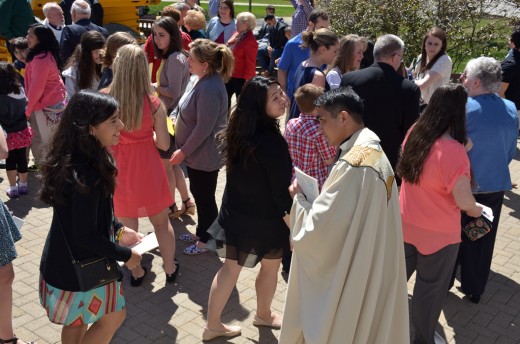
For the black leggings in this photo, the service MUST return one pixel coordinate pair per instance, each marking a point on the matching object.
(234, 86)
(17, 160)
(203, 186)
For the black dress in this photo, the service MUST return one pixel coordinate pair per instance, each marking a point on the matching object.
(250, 224)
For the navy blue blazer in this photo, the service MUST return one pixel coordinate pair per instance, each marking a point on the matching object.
(71, 36)
(391, 104)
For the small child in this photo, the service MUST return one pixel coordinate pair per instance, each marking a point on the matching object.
(20, 49)
(308, 148)
(12, 118)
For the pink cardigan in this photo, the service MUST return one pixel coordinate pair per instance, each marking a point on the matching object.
(43, 84)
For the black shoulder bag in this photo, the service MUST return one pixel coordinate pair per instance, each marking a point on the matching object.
(93, 272)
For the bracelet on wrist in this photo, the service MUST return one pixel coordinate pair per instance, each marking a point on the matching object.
(119, 233)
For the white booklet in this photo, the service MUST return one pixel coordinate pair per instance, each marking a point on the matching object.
(487, 212)
(308, 184)
(147, 244)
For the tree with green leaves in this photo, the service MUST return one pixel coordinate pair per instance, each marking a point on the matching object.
(472, 31)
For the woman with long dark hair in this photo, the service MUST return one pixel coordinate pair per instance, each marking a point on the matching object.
(78, 181)
(83, 69)
(433, 68)
(44, 87)
(435, 171)
(252, 224)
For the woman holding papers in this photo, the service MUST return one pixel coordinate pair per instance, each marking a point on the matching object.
(78, 181)
(492, 125)
(435, 171)
(142, 186)
(251, 226)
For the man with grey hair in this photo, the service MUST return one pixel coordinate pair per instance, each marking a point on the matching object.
(54, 18)
(391, 101)
(71, 35)
(183, 8)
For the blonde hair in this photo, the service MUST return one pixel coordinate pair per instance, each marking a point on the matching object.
(347, 48)
(130, 84)
(195, 19)
(219, 57)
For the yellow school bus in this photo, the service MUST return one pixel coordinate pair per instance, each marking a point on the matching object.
(123, 12)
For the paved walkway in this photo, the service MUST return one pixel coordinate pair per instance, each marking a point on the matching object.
(159, 313)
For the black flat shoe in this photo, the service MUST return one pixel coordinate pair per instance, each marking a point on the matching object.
(474, 298)
(170, 278)
(137, 281)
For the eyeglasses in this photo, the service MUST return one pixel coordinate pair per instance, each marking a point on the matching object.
(401, 56)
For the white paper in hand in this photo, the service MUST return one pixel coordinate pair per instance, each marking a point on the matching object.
(147, 244)
(487, 212)
(308, 184)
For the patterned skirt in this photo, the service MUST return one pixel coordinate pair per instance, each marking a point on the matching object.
(76, 308)
(20, 139)
(9, 234)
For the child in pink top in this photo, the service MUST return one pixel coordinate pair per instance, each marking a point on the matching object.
(44, 87)
(308, 149)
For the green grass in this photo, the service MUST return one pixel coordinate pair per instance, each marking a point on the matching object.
(258, 11)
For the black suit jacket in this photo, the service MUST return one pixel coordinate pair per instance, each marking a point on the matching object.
(391, 104)
(71, 36)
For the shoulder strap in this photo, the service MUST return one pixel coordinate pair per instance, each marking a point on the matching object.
(64, 237)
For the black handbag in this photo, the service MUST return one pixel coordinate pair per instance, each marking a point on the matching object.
(93, 272)
(477, 228)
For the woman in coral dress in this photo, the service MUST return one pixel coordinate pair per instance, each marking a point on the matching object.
(142, 187)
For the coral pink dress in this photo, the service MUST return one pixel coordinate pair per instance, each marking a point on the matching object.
(142, 188)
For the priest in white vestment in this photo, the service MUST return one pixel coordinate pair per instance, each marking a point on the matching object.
(347, 281)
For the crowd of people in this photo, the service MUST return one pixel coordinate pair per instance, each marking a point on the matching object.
(403, 162)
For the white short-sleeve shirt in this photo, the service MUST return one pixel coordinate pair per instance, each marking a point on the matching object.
(443, 67)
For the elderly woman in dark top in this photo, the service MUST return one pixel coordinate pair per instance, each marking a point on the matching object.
(251, 227)
(202, 113)
(492, 126)
(78, 182)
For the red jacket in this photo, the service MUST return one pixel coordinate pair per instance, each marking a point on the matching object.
(245, 55)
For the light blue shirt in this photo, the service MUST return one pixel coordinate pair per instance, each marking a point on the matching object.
(215, 28)
(492, 125)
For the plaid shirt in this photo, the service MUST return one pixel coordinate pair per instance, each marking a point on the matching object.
(308, 148)
(300, 18)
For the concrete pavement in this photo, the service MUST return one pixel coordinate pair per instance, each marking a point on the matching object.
(160, 313)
